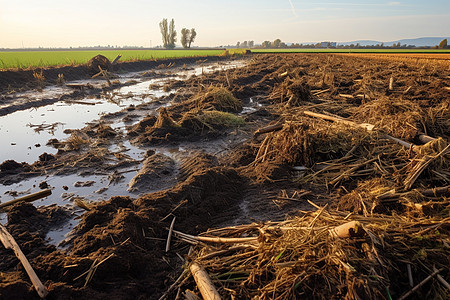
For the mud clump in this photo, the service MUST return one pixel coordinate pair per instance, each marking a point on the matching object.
(206, 114)
(164, 129)
(77, 140)
(195, 163)
(204, 121)
(37, 220)
(10, 166)
(205, 193)
(45, 157)
(97, 62)
(193, 125)
(142, 126)
(157, 172)
(12, 171)
(54, 143)
(219, 98)
(165, 120)
(102, 131)
(43, 185)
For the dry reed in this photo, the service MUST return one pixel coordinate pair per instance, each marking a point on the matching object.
(300, 258)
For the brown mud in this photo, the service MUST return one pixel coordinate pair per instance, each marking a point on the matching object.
(229, 176)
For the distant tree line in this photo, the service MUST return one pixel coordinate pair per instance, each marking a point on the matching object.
(277, 43)
(245, 44)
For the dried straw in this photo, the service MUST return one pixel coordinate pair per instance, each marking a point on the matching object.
(300, 258)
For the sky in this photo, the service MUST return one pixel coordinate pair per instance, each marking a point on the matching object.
(60, 23)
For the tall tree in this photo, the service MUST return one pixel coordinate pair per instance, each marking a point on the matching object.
(172, 34)
(251, 44)
(164, 32)
(169, 35)
(185, 37)
(192, 37)
(443, 44)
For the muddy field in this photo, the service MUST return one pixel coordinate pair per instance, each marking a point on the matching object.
(418, 57)
(276, 149)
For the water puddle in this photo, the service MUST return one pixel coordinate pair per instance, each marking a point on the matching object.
(50, 92)
(24, 133)
(65, 189)
(253, 105)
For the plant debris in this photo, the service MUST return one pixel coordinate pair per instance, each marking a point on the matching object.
(295, 176)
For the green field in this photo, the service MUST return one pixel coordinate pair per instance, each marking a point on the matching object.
(55, 58)
(331, 50)
(33, 59)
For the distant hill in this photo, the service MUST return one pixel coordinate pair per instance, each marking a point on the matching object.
(419, 42)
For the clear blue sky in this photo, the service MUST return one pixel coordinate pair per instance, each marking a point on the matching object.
(60, 23)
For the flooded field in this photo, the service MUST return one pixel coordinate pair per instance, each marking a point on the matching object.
(232, 165)
(25, 135)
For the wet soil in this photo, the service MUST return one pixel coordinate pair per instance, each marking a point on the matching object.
(154, 167)
(23, 79)
(215, 177)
